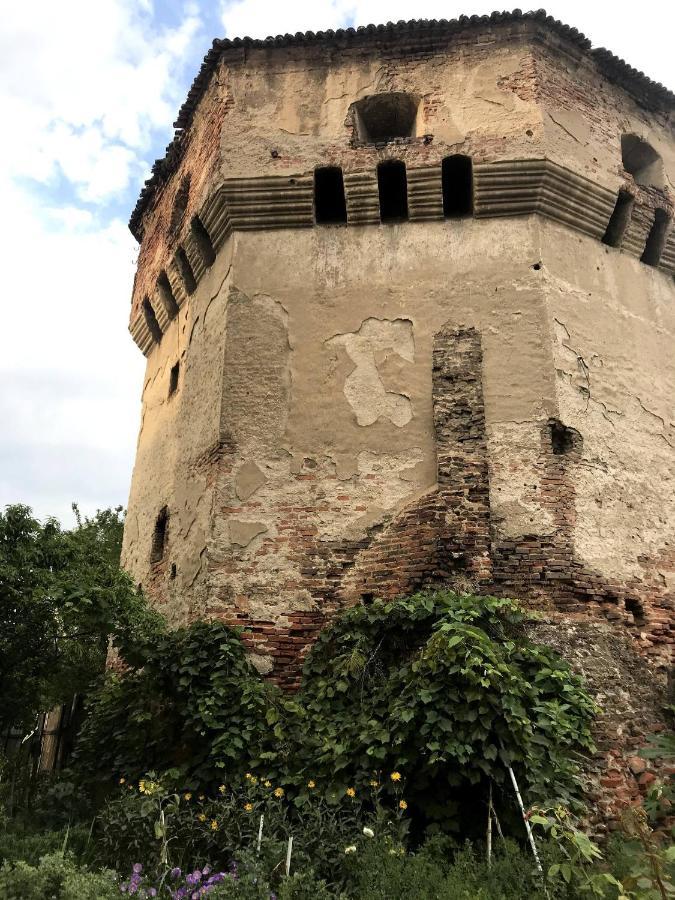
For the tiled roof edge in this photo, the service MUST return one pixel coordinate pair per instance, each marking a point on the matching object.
(613, 66)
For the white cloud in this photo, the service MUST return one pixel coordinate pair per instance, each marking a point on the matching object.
(84, 85)
(88, 92)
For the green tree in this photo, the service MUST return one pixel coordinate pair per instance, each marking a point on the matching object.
(63, 597)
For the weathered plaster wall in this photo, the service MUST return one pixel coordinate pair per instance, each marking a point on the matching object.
(328, 401)
(178, 449)
(365, 410)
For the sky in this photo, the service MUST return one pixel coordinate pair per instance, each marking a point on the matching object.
(89, 90)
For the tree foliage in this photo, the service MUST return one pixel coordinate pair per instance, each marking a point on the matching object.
(63, 596)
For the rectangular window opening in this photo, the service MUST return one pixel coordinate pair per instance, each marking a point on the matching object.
(151, 321)
(166, 295)
(173, 379)
(203, 241)
(159, 535)
(618, 222)
(656, 240)
(330, 206)
(457, 181)
(392, 186)
(185, 270)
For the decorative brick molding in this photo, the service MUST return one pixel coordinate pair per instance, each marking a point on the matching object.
(505, 188)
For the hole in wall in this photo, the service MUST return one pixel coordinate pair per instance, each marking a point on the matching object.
(636, 609)
(185, 270)
(367, 598)
(174, 570)
(159, 535)
(642, 161)
(385, 117)
(202, 239)
(537, 266)
(656, 239)
(457, 181)
(392, 186)
(173, 378)
(151, 321)
(618, 221)
(330, 206)
(563, 439)
(166, 295)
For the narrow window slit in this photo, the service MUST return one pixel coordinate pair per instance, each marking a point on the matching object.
(151, 321)
(457, 181)
(159, 535)
(185, 270)
(330, 206)
(656, 239)
(203, 241)
(166, 295)
(618, 222)
(392, 186)
(173, 379)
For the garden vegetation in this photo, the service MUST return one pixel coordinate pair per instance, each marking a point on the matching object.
(382, 777)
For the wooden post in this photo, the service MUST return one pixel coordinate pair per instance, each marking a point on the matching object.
(489, 828)
(260, 831)
(288, 856)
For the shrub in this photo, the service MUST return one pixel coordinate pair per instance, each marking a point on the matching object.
(58, 878)
(446, 689)
(196, 700)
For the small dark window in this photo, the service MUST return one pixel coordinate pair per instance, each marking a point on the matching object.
(330, 207)
(159, 535)
(618, 222)
(392, 185)
(174, 570)
(385, 117)
(642, 161)
(185, 270)
(151, 321)
(457, 180)
(180, 203)
(656, 240)
(166, 295)
(173, 379)
(203, 241)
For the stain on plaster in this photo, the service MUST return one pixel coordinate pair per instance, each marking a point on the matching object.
(242, 533)
(248, 480)
(369, 348)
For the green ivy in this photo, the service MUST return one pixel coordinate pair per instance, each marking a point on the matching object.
(446, 689)
(196, 702)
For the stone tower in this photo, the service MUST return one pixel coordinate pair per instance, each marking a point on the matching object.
(406, 296)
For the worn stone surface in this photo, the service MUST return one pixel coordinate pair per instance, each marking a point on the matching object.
(370, 409)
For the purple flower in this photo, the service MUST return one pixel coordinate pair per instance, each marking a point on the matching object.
(123, 888)
(175, 873)
(206, 870)
(152, 892)
(137, 868)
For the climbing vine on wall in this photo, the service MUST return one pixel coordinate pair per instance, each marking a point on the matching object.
(444, 688)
